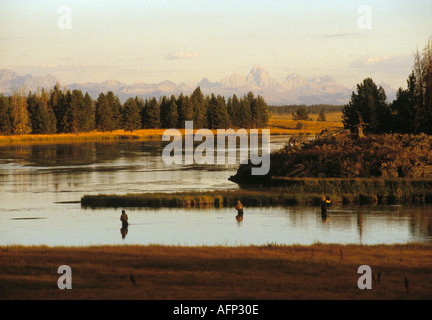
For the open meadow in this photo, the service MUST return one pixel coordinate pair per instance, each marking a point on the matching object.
(217, 273)
(284, 124)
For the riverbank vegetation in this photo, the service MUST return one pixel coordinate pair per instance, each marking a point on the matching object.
(286, 192)
(337, 156)
(279, 124)
(269, 272)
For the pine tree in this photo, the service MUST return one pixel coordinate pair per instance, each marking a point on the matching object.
(74, 108)
(87, 114)
(237, 115)
(254, 112)
(34, 109)
(262, 116)
(131, 115)
(20, 118)
(367, 106)
(217, 113)
(5, 116)
(42, 117)
(56, 103)
(103, 114)
(115, 110)
(403, 109)
(423, 90)
(230, 108)
(169, 113)
(51, 123)
(185, 110)
(242, 114)
(199, 108)
(140, 103)
(163, 105)
(151, 114)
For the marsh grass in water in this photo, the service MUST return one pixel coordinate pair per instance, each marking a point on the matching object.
(290, 192)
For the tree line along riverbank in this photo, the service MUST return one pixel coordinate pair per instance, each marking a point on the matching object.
(279, 124)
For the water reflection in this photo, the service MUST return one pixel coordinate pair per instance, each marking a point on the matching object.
(360, 226)
(123, 232)
(239, 216)
(239, 219)
(125, 224)
(49, 180)
(324, 216)
(211, 226)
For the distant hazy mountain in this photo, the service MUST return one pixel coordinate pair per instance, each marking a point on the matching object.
(10, 81)
(293, 90)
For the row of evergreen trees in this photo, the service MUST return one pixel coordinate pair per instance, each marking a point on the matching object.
(311, 109)
(411, 112)
(65, 111)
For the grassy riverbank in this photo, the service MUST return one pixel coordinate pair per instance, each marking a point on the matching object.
(82, 137)
(278, 125)
(289, 192)
(264, 272)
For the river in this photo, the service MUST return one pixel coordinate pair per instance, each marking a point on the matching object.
(41, 187)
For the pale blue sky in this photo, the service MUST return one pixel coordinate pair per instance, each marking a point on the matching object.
(183, 41)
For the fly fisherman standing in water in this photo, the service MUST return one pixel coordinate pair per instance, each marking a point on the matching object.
(125, 224)
(239, 208)
(124, 219)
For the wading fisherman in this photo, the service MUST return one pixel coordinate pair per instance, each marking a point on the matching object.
(239, 208)
(124, 220)
(325, 202)
(125, 224)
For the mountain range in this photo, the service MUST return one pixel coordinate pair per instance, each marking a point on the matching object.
(293, 90)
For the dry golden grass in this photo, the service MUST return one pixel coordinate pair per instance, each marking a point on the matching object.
(284, 124)
(210, 273)
(81, 137)
(278, 125)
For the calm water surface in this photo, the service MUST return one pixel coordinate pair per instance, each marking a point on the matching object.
(41, 185)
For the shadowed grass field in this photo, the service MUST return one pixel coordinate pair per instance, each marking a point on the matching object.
(208, 273)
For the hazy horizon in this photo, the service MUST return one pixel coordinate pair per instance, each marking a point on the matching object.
(185, 41)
